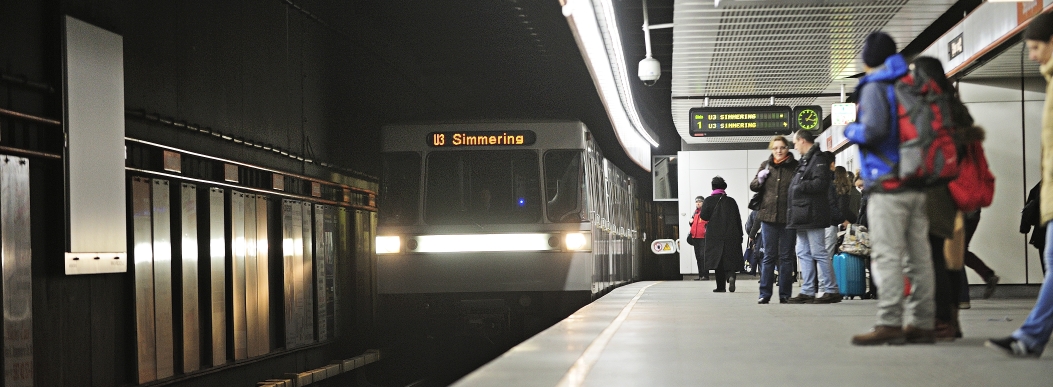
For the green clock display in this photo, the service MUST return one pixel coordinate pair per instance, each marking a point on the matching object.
(808, 117)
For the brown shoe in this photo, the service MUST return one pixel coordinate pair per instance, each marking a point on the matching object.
(882, 334)
(828, 298)
(801, 298)
(944, 331)
(915, 335)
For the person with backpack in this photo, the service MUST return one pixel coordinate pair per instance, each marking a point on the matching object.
(809, 215)
(1031, 338)
(899, 227)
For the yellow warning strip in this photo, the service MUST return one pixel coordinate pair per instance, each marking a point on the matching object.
(577, 373)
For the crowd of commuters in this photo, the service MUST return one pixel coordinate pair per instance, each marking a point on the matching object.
(802, 206)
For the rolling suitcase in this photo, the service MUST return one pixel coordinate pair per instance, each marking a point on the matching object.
(850, 272)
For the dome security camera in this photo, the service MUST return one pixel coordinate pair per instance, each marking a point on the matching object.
(650, 70)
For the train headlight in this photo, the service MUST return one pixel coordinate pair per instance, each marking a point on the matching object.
(388, 244)
(575, 241)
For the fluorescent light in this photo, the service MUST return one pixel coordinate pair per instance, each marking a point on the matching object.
(608, 70)
(388, 244)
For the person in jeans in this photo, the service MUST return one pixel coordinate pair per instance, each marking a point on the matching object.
(698, 239)
(773, 179)
(1031, 338)
(809, 215)
(899, 227)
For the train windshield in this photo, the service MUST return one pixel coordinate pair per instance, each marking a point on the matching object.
(564, 183)
(400, 188)
(483, 187)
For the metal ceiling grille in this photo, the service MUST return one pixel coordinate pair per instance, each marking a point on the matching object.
(780, 47)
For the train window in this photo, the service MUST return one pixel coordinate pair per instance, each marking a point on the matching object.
(482, 187)
(399, 188)
(564, 185)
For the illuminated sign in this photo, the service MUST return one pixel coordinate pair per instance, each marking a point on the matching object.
(741, 121)
(955, 47)
(502, 138)
(808, 117)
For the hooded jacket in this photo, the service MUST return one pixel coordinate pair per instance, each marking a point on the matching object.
(876, 129)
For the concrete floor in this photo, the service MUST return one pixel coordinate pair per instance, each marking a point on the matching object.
(680, 333)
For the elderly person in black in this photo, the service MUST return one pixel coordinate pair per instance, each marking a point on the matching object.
(723, 249)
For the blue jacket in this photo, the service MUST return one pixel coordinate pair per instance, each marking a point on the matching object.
(876, 129)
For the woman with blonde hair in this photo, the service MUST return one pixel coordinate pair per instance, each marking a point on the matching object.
(773, 183)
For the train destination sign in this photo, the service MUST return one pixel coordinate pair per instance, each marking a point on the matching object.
(493, 138)
(741, 121)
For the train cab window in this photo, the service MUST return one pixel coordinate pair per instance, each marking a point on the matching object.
(482, 187)
(399, 188)
(564, 185)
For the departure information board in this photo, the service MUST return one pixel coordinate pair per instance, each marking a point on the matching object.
(741, 121)
(467, 139)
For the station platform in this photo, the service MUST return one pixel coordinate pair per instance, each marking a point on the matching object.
(680, 333)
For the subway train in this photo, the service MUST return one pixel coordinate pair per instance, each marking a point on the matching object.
(499, 229)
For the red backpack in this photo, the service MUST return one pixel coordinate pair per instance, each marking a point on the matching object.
(974, 187)
(927, 154)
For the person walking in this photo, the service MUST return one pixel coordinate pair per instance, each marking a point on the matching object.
(1031, 338)
(723, 250)
(809, 215)
(899, 228)
(773, 182)
(697, 239)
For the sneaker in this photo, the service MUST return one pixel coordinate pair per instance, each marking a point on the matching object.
(1011, 347)
(882, 334)
(828, 298)
(964, 305)
(992, 284)
(764, 300)
(918, 336)
(801, 299)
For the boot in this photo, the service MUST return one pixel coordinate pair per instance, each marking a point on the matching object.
(731, 281)
(881, 334)
(955, 323)
(943, 331)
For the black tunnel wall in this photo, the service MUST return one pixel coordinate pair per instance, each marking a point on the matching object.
(258, 71)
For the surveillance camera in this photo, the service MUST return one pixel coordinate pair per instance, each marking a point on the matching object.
(650, 70)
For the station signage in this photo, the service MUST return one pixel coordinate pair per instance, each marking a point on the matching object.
(482, 138)
(741, 121)
(842, 113)
(664, 246)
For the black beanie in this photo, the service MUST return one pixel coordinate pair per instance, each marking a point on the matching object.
(877, 47)
(1041, 28)
(719, 183)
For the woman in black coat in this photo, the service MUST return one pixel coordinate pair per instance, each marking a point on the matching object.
(773, 184)
(723, 251)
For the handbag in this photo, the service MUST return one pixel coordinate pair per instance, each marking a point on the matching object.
(954, 248)
(856, 240)
(758, 198)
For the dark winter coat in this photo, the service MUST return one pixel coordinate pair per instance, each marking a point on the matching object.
(841, 206)
(723, 232)
(809, 192)
(774, 199)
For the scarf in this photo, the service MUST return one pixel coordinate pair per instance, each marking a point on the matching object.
(779, 161)
(718, 192)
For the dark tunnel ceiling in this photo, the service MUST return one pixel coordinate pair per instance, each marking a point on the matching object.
(419, 61)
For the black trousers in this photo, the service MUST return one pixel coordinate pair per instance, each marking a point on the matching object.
(700, 247)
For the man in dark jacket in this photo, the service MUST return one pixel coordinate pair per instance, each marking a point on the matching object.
(899, 227)
(809, 214)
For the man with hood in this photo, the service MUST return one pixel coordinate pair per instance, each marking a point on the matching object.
(899, 227)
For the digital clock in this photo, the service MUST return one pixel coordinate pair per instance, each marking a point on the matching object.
(740, 121)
